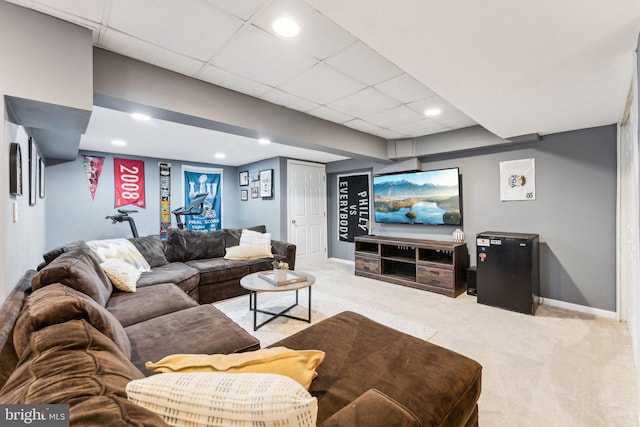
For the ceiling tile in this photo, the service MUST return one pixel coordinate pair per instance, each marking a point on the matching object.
(129, 46)
(454, 120)
(322, 84)
(364, 103)
(198, 31)
(232, 81)
(331, 115)
(318, 35)
(405, 89)
(276, 96)
(259, 56)
(393, 117)
(178, 63)
(87, 10)
(390, 134)
(419, 128)
(363, 126)
(364, 64)
(242, 9)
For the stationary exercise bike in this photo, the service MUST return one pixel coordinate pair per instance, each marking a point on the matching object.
(195, 208)
(123, 215)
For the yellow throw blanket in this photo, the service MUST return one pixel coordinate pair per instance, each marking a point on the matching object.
(297, 364)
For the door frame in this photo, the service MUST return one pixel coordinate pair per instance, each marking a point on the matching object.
(323, 202)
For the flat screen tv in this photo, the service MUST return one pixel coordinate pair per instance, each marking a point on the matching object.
(429, 197)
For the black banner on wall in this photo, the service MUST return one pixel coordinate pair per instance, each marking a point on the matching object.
(354, 206)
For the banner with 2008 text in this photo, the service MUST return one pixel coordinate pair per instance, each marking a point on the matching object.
(129, 182)
(353, 206)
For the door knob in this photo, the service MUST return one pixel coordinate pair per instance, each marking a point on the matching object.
(293, 221)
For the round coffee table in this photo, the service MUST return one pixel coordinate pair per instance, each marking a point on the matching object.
(255, 284)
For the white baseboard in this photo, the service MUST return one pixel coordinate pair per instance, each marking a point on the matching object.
(581, 308)
(344, 261)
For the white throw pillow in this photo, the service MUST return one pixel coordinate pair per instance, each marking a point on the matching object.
(121, 249)
(239, 399)
(123, 275)
(248, 252)
(249, 237)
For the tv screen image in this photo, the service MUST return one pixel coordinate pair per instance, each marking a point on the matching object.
(427, 197)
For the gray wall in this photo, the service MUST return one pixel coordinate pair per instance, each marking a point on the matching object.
(73, 215)
(574, 213)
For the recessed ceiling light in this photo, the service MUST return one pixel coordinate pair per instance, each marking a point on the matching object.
(220, 155)
(432, 112)
(119, 142)
(286, 27)
(264, 141)
(141, 117)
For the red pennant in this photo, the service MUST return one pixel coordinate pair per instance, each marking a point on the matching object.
(93, 169)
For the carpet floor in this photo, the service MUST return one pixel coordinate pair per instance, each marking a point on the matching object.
(557, 368)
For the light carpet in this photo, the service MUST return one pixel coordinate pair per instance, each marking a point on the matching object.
(325, 302)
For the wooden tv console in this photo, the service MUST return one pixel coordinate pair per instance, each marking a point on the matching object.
(433, 265)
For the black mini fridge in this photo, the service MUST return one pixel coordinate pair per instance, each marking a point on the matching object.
(507, 270)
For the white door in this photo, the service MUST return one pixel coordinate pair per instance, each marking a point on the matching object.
(307, 211)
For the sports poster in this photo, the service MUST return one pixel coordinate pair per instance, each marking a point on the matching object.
(354, 206)
(165, 199)
(129, 181)
(196, 180)
(518, 180)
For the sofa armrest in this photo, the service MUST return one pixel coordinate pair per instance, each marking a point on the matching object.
(285, 249)
(373, 409)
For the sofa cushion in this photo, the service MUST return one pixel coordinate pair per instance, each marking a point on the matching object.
(221, 399)
(202, 329)
(80, 270)
(215, 270)
(120, 249)
(57, 303)
(148, 302)
(185, 277)
(232, 237)
(72, 363)
(185, 245)
(440, 386)
(299, 365)
(55, 253)
(123, 275)
(151, 248)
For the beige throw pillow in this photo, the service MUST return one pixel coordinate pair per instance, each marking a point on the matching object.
(248, 252)
(120, 249)
(123, 275)
(249, 237)
(203, 398)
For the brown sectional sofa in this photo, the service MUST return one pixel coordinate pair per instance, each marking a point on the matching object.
(67, 337)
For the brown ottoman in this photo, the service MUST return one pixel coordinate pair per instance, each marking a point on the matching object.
(201, 329)
(439, 386)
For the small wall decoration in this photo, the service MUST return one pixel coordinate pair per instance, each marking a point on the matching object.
(518, 180)
(33, 171)
(266, 183)
(129, 182)
(15, 169)
(244, 178)
(165, 198)
(354, 206)
(254, 193)
(92, 169)
(244, 195)
(254, 175)
(41, 167)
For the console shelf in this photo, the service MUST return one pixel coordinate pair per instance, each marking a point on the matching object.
(431, 265)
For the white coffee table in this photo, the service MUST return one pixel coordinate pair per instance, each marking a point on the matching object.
(255, 284)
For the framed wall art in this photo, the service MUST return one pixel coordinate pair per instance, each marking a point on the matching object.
(254, 193)
(266, 183)
(244, 178)
(15, 169)
(33, 172)
(254, 175)
(244, 195)
(41, 181)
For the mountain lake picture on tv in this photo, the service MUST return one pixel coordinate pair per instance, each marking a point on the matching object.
(427, 197)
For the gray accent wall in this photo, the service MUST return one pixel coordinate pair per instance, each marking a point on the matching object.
(73, 215)
(574, 212)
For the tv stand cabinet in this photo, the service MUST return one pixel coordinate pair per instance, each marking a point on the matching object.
(432, 265)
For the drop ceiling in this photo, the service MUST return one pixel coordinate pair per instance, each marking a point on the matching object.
(513, 67)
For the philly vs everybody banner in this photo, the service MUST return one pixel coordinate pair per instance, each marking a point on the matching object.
(354, 206)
